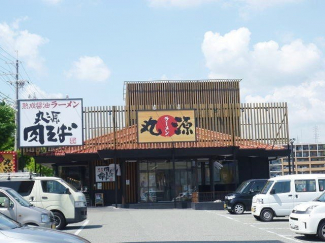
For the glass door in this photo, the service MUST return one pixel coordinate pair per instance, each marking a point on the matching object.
(157, 182)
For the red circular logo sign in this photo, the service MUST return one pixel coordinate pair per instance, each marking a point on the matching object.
(164, 124)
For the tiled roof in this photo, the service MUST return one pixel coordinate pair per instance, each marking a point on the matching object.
(127, 139)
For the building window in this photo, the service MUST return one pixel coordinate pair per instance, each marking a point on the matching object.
(313, 147)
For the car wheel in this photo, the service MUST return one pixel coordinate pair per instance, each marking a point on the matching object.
(238, 208)
(267, 215)
(59, 220)
(321, 230)
(257, 217)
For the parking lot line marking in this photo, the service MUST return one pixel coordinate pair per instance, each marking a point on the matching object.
(284, 236)
(254, 223)
(226, 217)
(257, 225)
(83, 226)
(275, 228)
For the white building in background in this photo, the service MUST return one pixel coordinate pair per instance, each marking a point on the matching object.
(307, 159)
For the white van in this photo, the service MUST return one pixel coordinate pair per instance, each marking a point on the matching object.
(52, 193)
(281, 194)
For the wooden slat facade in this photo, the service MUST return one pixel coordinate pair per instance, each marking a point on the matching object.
(220, 119)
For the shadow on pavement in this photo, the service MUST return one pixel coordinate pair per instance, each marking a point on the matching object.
(311, 238)
(86, 227)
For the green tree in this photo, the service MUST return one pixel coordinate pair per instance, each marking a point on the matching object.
(29, 163)
(7, 127)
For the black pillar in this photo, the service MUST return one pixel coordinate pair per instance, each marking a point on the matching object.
(289, 160)
(211, 168)
(292, 156)
(174, 175)
(123, 168)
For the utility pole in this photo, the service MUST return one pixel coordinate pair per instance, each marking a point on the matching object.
(16, 106)
(18, 84)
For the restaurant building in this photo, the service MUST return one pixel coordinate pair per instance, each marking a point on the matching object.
(173, 141)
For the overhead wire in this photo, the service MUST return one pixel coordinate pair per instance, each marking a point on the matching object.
(11, 71)
(7, 70)
(6, 97)
(31, 83)
(7, 53)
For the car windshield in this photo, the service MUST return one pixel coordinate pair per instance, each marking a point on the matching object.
(6, 223)
(267, 187)
(18, 198)
(243, 187)
(321, 198)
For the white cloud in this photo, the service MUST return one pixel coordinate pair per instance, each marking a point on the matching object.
(305, 105)
(230, 56)
(32, 91)
(290, 73)
(89, 69)
(16, 23)
(230, 49)
(27, 44)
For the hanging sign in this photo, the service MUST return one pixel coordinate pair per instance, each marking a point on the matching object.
(48, 123)
(8, 161)
(166, 126)
(107, 173)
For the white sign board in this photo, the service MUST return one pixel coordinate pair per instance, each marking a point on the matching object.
(107, 173)
(48, 123)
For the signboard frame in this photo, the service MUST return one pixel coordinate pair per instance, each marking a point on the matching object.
(170, 114)
(40, 113)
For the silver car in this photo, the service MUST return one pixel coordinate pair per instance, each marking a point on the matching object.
(12, 232)
(17, 208)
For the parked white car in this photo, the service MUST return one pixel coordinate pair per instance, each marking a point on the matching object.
(309, 218)
(282, 193)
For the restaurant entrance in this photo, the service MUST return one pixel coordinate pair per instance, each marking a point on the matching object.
(159, 182)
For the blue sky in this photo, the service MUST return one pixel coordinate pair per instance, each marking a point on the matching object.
(88, 48)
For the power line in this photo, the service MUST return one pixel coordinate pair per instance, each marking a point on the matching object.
(32, 85)
(8, 53)
(7, 99)
(7, 70)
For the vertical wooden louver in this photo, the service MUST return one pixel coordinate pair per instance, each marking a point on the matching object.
(220, 119)
(217, 102)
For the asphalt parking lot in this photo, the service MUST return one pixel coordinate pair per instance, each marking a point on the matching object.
(108, 224)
